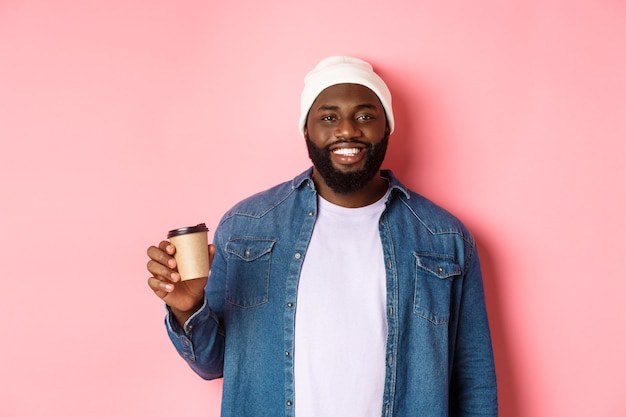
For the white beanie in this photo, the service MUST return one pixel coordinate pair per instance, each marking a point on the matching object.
(342, 70)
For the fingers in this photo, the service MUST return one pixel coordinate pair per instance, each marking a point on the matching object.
(162, 264)
(211, 253)
(166, 282)
(159, 270)
(163, 254)
(167, 247)
(160, 287)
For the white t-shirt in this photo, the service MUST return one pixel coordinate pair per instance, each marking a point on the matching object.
(341, 326)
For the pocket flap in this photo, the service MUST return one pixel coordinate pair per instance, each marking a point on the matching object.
(250, 248)
(442, 266)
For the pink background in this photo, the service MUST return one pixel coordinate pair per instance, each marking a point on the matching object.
(120, 120)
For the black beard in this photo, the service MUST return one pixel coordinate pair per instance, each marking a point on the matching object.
(348, 182)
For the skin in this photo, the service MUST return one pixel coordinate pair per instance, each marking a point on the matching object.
(340, 114)
(183, 297)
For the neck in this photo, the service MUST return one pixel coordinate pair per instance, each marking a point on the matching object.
(372, 192)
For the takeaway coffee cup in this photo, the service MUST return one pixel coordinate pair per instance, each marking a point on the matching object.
(192, 253)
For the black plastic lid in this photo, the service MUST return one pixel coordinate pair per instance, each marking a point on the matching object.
(186, 230)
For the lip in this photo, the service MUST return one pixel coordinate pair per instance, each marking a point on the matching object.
(348, 153)
(346, 145)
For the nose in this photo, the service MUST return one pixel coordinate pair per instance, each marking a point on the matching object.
(347, 129)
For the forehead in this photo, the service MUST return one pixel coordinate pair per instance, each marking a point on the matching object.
(347, 94)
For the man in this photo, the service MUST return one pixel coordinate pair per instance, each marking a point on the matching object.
(341, 292)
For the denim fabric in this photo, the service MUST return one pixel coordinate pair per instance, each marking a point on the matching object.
(439, 355)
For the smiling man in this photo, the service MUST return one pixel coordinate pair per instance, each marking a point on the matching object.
(347, 135)
(341, 292)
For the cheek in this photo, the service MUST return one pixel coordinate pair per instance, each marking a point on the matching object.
(383, 129)
(319, 136)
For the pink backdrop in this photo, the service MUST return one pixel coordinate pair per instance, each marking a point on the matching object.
(120, 120)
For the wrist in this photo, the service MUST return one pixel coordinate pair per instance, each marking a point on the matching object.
(182, 316)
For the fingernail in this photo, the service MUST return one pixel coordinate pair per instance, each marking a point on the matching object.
(168, 287)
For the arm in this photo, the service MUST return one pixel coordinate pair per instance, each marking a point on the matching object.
(192, 326)
(473, 384)
(200, 341)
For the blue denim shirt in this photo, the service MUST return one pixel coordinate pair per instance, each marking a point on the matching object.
(439, 358)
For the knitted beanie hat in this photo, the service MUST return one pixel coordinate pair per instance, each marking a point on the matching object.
(343, 70)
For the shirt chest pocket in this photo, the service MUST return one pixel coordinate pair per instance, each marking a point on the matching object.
(433, 283)
(248, 270)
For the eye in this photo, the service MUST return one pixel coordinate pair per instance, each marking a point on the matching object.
(364, 117)
(327, 118)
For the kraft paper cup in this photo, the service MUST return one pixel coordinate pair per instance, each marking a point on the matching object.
(192, 252)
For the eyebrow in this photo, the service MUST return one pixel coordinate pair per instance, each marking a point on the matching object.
(327, 107)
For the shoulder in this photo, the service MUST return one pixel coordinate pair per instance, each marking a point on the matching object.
(259, 204)
(433, 217)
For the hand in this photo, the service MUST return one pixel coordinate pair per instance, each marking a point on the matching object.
(183, 297)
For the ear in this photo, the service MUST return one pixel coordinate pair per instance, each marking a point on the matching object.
(306, 132)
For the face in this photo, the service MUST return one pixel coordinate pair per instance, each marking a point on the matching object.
(347, 136)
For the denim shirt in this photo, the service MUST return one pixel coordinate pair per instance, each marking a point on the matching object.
(439, 359)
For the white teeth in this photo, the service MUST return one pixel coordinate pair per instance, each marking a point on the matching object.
(346, 151)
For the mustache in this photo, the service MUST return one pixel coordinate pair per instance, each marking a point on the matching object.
(355, 141)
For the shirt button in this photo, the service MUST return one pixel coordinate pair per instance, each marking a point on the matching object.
(288, 403)
(287, 353)
(289, 305)
(440, 269)
(310, 214)
(297, 255)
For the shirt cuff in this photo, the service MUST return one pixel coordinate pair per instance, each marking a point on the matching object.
(172, 324)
